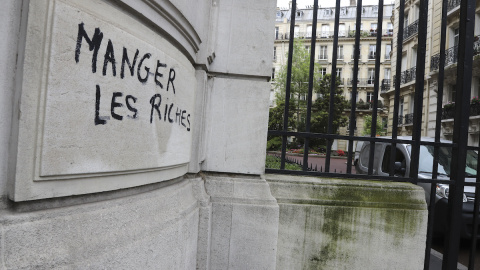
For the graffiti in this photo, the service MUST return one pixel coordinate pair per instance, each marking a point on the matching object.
(143, 74)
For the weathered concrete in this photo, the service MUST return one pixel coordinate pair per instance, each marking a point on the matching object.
(346, 224)
(244, 223)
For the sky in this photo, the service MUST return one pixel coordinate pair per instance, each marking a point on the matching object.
(327, 3)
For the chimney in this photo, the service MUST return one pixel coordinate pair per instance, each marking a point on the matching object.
(353, 3)
(289, 4)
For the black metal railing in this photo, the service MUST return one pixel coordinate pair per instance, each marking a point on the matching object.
(460, 113)
(409, 119)
(329, 34)
(410, 30)
(451, 55)
(406, 76)
(448, 111)
(452, 4)
(385, 85)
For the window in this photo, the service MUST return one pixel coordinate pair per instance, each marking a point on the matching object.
(309, 31)
(387, 74)
(361, 26)
(339, 73)
(341, 30)
(274, 53)
(356, 99)
(299, 13)
(307, 48)
(340, 52)
(390, 29)
(412, 103)
(373, 27)
(369, 97)
(325, 31)
(372, 51)
(297, 31)
(273, 74)
(327, 12)
(359, 50)
(405, 20)
(276, 32)
(375, 9)
(323, 71)
(388, 50)
(399, 157)
(400, 111)
(455, 36)
(371, 75)
(343, 11)
(323, 53)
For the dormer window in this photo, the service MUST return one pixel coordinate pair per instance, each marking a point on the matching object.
(343, 11)
(299, 14)
(375, 9)
(327, 12)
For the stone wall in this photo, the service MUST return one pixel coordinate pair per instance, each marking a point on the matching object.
(345, 224)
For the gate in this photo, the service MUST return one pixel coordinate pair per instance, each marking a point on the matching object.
(452, 187)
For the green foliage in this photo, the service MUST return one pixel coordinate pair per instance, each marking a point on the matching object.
(272, 162)
(368, 126)
(274, 144)
(299, 79)
(320, 110)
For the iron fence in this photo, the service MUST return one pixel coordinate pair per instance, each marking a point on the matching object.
(459, 113)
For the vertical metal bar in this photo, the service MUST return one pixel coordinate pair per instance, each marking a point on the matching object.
(353, 100)
(373, 127)
(460, 131)
(310, 83)
(438, 125)
(333, 80)
(476, 213)
(289, 81)
(419, 88)
(398, 71)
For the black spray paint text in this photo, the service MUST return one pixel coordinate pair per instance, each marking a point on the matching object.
(142, 73)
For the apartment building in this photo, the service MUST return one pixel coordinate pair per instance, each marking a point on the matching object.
(432, 62)
(345, 50)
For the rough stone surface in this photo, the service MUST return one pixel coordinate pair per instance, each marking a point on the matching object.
(237, 126)
(9, 33)
(344, 224)
(244, 223)
(145, 231)
(244, 39)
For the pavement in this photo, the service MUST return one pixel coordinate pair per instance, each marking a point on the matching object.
(436, 259)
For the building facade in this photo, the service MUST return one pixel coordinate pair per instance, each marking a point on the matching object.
(345, 50)
(408, 68)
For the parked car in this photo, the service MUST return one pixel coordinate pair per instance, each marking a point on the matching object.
(381, 166)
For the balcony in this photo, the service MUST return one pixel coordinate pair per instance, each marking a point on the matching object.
(361, 81)
(449, 112)
(385, 85)
(409, 119)
(406, 76)
(330, 34)
(451, 55)
(371, 56)
(400, 120)
(410, 30)
(452, 4)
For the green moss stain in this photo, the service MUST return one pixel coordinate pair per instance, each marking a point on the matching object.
(335, 239)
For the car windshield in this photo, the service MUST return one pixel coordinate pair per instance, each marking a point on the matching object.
(444, 160)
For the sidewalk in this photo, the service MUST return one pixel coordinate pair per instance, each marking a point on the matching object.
(436, 261)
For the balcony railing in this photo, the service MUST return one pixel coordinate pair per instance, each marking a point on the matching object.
(452, 4)
(329, 34)
(361, 81)
(323, 57)
(451, 55)
(410, 30)
(449, 112)
(359, 57)
(371, 56)
(409, 118)
(385, 85)
(400, 120)
(406, 76)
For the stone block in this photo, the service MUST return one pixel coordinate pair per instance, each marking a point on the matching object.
(236, 128)
(340, 224)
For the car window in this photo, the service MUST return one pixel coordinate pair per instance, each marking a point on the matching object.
(399, 157)
(364, 155)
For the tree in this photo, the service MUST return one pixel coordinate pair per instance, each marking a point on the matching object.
(367, 130)
(299, 80)
(321, 108)
(275, 122)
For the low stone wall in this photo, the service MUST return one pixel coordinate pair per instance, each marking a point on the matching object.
(349, 224)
